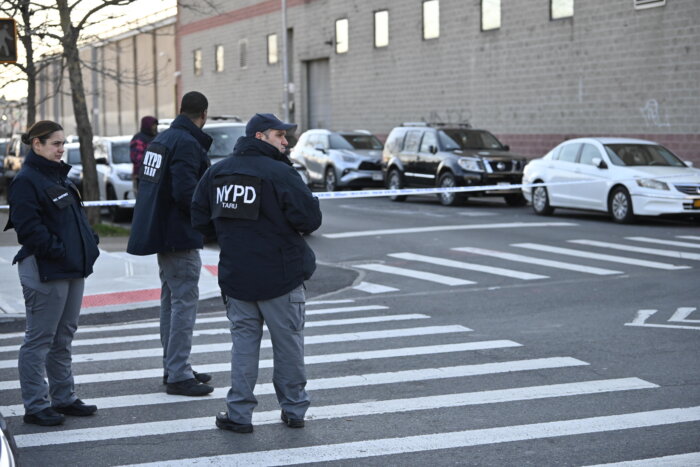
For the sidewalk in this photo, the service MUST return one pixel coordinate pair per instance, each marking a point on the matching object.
(120, 281)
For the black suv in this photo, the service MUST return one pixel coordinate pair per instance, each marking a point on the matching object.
(421, 155)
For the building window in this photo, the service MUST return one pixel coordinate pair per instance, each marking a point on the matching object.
(381, 28)
(219, 54)
(243, 53)
(341, 36)
(272, 55)
(490, 14)
(641, 4)
(431, 19)
(198, 62)
(561, 9)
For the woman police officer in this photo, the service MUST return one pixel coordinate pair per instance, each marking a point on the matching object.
(58, 251)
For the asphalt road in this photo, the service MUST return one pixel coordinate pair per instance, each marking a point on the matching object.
(435, 338)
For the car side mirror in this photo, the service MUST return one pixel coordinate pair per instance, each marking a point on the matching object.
(506, 147)
(432, 149)
(101, 160)
(688, 163)
(600, 163)
(319, 147)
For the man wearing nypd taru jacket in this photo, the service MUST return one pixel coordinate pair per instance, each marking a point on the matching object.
(173, 164)
(258, 207)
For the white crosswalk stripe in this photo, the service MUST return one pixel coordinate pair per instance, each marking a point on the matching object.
(374, 288)
(689, 237)
(638, 249)
(413, 273)
(539, 261)
(384, 447)
(664, 242)
(599, 256)
(468, 266)
(340, 382)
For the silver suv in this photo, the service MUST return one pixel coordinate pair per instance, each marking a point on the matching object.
(422, 155)
(339, 159)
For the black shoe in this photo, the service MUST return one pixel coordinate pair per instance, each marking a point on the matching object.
(189, 387)
(46, 417)
(225, 423)
(77, 409)
(292, 422)
(201, 377)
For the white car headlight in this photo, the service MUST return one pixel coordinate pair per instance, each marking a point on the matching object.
(651, 183)
(124, 176)
(472, 165)
(349, 158)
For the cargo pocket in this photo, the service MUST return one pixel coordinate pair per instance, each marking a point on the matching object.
(33, 289)
(297, 305)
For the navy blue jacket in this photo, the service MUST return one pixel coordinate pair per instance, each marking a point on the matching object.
(173, 164)
(46, 213)
(258, 207)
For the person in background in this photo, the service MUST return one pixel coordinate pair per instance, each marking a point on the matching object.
(257, 206)
(59, 249)
(173, 164)
(138, 145)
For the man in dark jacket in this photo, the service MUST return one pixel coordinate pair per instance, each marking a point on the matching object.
(173, 164)
(258, 207)
(139, 143)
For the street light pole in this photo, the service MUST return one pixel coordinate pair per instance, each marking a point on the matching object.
(285, 69)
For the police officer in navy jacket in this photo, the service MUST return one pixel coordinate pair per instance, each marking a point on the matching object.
(173, 164)
(59, 249)
(258, 207)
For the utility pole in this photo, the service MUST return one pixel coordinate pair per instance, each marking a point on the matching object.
(285, 69)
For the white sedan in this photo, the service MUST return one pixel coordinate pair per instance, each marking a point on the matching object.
(624, 177)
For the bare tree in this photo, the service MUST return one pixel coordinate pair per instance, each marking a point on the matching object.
(32, 31)
(72, 28)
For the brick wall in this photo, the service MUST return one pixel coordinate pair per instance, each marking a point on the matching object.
(609, 70)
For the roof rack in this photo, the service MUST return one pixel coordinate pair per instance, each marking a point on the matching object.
(438, 124)
(225, 117)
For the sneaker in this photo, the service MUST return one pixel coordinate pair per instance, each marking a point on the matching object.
(77, 409)
(225, 423)
(201, 377)
(189, 387)
(46, 417)
(292, 422)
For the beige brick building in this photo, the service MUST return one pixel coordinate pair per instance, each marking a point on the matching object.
(602, 67)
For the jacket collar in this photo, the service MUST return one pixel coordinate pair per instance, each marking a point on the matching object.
(45, 166)
(184, 123)
(250, 146)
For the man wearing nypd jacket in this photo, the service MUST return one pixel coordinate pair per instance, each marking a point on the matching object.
(258, 207)
(172, 165)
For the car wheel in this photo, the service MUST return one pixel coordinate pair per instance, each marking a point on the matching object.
(540, 201)
(620, 206)
(329, 180)
(395, 183)
(447, 180)
(515, 200)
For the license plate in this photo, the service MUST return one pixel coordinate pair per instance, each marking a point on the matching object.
(696, 203)
(376, 177)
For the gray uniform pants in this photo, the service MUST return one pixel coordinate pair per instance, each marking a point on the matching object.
(284, 317)
(179, 297)
(52, 319)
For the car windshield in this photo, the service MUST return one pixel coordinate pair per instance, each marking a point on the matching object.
(224, 139)
(120, 153)
(642, 154)
(467, 139)
(74, 156)
(351, 141)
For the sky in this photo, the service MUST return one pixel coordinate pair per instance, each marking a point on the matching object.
(138, 11)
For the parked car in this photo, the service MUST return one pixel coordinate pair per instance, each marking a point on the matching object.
(8, 447)
(14, 157)
(421, 155)
(623, 177)
(115, 172)
(4, 142)
(338, 159)
(71, 156)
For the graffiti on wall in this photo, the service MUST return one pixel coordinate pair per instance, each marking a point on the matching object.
(448, 116)
(651, 114)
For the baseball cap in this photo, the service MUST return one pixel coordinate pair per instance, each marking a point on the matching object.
(263, 122)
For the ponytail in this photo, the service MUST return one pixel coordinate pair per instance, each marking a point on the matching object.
(42, 130)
